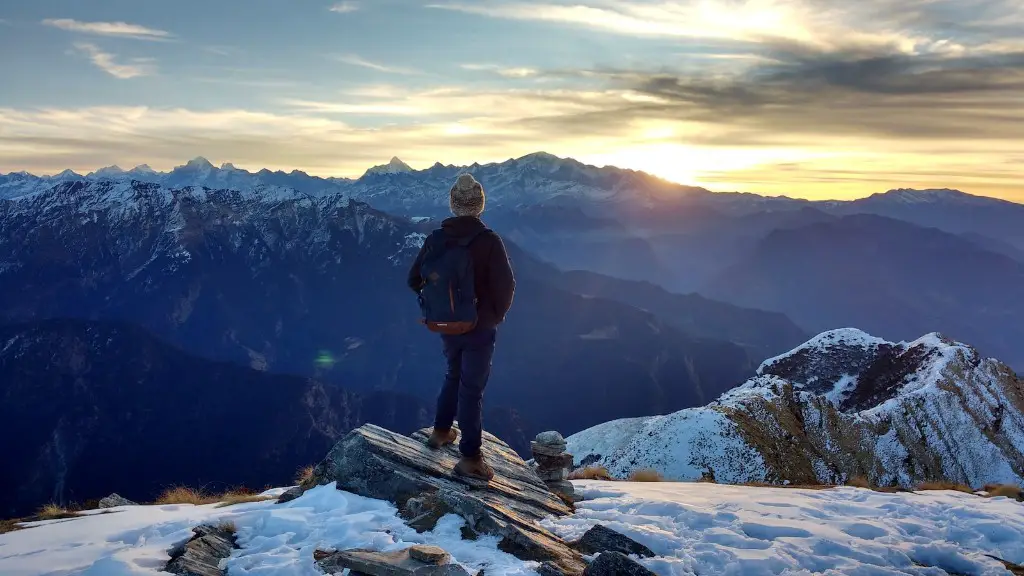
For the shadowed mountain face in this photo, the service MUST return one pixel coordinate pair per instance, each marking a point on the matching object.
(888, 277)
(286, 283)
(102, 407)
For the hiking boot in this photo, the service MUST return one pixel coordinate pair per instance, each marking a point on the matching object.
(441, 438)
(474, 468)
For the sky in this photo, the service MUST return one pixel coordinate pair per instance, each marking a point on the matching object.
(808, 98)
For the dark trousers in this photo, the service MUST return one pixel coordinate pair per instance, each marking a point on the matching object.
(469, 367)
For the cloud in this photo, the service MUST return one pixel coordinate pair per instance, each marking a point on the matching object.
(911, 26)
(106, 62)
(115, 29)
(513, 72)
(355, 60)
(344, 7)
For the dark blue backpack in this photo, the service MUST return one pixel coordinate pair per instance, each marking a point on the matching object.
(448, 297)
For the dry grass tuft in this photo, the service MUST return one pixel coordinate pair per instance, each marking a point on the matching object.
(304, 475)
(591, 473)
(858, 482)
(1007, 490)
(227, 526)
(944, 485)
(53, 511)
(232, 498)
(646, 476)
(186, 495)
(9, 526)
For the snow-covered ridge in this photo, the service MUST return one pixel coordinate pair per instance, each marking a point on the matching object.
(843, 404)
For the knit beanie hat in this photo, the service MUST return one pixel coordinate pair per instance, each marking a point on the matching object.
(467, 197)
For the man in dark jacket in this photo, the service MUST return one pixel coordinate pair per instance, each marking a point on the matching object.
(469, 355)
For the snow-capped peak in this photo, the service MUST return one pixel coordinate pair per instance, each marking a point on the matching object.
(395, 166)
(199, 163)
(67, 175)
(108, 172)
(143, 169)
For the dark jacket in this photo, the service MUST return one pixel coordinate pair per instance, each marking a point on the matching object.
(494, 282)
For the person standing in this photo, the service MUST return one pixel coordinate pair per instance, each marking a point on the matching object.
(465, 285)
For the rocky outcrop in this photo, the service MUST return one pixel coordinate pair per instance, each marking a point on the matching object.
(552, 465)
(415, 561)
(602, 539)
(115, 500)
(845, 404)
(201, 555)
(377, 463)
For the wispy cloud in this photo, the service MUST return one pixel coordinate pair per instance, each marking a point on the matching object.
(107, 62)
(356, 60)
(513, 72)
(344, 7)
(115, 29)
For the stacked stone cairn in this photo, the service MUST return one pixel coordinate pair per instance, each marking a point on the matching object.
(552, 464)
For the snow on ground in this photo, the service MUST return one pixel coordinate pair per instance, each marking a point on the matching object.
(702, 529)
(711, 529)
(275, 539)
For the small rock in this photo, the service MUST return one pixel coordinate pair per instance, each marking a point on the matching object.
(550, 438)
(561, 487)
(549, 569)
(602, 539)
(201, 555)
(429, 554)
(546, 450)
(290, 494)
(616, 564)
(548, 462)
(115, 500)
(398, 563)
(553, 475)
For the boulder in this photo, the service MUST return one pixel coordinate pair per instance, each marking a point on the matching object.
(602, 539)
(201, 555)
(377, 463)
(616, 564)
(398, 563)
(115, 500)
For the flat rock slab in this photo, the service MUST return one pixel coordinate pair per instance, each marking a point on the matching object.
(377, 463)
(616, 564)
(398, 563)
(201, 555)
(602, 539)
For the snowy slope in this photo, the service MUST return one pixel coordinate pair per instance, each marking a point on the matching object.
(693, 528)
(844, 404)
(699, 528)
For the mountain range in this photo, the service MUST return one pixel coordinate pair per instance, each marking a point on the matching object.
(315, 286)
(841, 406)
(104, 406)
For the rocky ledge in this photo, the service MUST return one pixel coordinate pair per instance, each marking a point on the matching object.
(377, 463)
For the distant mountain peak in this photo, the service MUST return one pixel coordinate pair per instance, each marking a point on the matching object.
(199, 163)
(395, 166)
(108, 172)
(228, 166)
(142, 169)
